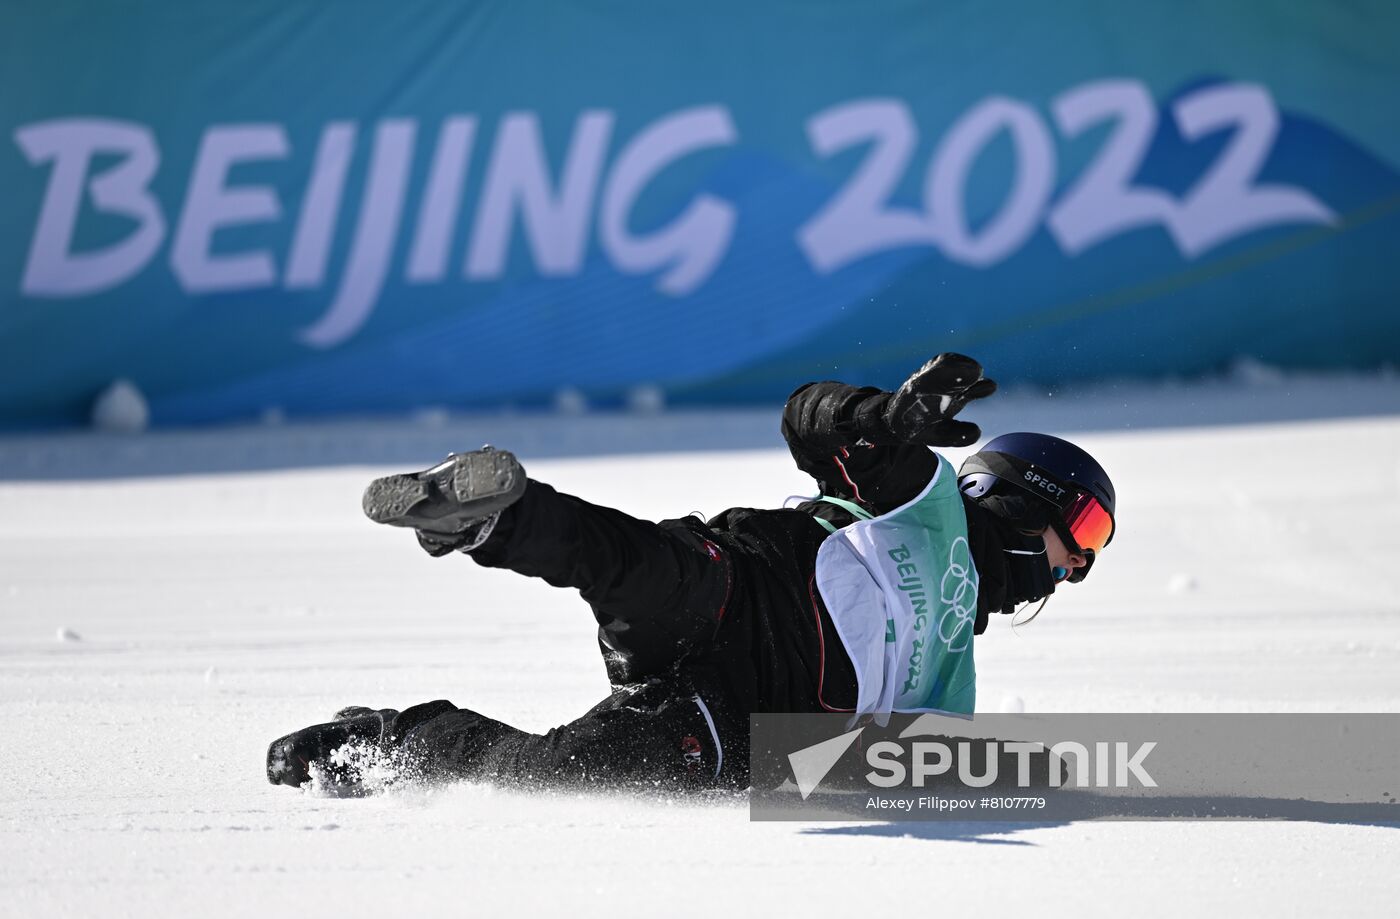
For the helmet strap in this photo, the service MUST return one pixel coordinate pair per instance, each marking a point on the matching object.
(1028, 571)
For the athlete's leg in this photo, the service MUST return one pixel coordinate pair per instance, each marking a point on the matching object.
(657, 735)
(660, 734)
(657, 590)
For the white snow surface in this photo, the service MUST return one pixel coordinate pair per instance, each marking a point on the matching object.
(1254, 570)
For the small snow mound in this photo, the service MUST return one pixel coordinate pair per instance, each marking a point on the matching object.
(121, 409)
(1182, 583)
(570, 401)
(65, 634)
(1253, 372)
(647, 399)
(1012, 705)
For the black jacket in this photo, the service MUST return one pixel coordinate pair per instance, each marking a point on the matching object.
(785, 641)
(818, 425)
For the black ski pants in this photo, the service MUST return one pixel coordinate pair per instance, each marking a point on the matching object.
(660, 593)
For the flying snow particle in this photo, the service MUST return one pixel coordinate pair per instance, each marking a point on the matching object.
(121, 409)
(647, 399)
(1012, 705)
(432, 416)
(211, 675)
(1182, 583)
(1250, 371)
(570, 401)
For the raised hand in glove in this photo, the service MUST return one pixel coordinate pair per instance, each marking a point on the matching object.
(923, 410)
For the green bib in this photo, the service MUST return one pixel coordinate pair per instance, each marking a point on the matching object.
(902, 591)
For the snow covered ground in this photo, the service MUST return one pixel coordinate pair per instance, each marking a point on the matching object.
(156, 631)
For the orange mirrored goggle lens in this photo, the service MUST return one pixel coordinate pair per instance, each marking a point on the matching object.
(1089, 523)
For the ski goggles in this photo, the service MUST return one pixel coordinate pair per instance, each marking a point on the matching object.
(1088, 523)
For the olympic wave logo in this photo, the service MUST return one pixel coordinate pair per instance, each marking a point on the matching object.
(958, 591)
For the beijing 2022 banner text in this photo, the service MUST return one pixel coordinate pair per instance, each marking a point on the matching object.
(362, 207)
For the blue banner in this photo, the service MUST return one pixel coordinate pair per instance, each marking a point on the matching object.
(327, 208)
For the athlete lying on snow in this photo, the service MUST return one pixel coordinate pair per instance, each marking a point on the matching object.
(864, 599)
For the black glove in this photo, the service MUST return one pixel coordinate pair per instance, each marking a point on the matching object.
(922, 410)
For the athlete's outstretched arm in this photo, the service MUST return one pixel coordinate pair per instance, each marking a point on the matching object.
(871, 446)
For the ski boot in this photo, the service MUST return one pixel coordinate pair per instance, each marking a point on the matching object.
(334, 753)
(453, 505)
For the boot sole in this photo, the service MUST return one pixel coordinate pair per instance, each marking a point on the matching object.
(479, 485)
(389, 499)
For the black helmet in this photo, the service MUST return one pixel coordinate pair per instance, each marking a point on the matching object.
(1034, 481)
